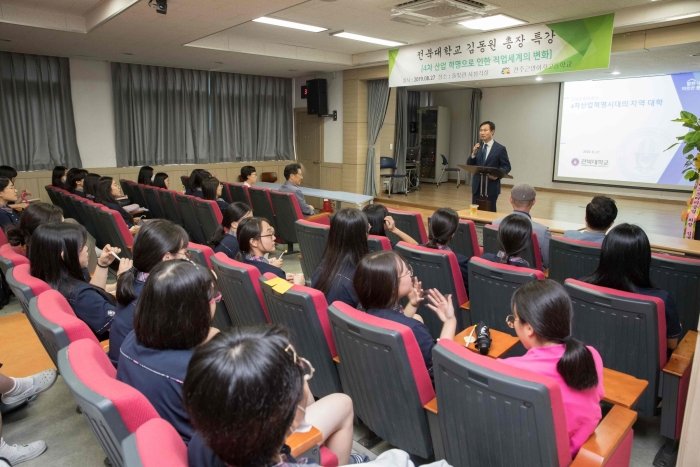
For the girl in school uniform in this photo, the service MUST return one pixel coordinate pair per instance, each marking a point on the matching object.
(161, 180)
(8, 195)
(443, 225)
(211, 190)
(75, 181)
(347, 244)
(158, 240)
(36, 214)
(381, 222)
(382, 279)
(173, 316)
(195, 182)
(107, 192)
(58, 177)
(514, 236)
(145, 175)
(541, 316)
(59, 257)
(256, 238)
(224, 239)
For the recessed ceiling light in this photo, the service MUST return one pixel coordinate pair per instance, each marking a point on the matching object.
(373, 40)
(492, 22)
(615, 73)
(539, 78)
(289, 24)
(128, 53)
(691, 15)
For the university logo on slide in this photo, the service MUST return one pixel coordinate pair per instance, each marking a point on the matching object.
(574, 161)
(505, 71)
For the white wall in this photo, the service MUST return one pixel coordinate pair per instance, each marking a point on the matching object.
(526, 123)
(332, 131)
(91, 87)
(459, 103)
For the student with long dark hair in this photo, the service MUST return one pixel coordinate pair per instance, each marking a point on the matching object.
(36, 214)
(347, 244)
(382, 279)
(541, 316)
(58, 177)
(224, 239)
(195, 182)
(145, 175)
(158, 240)
(514, 237)
(256, 238)
(107, 192)
(173, 316)
(90, 185)
(59, 257)
(442, 228)
(8, 195)
(211, 190)
(625, 261)
(75, 180)
(161, 180)
(250, 380)
(380, 222)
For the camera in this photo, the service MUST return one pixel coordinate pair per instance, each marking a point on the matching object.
(483, 338)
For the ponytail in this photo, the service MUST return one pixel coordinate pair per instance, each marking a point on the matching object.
(234, 212)
(546, 307)
(443, 225)
(577, 366)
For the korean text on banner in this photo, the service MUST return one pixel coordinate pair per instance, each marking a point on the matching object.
(581, 44)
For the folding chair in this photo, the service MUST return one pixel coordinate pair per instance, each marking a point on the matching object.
(680, 277)
(572, 259)
(378, 243)
(482, 402)
(153, 199)
(113, 409)
(24, 286)
(410, 223)
(445, 168)
(261, 204)
(189, 218)
(438, 269)
(312, 239)
(120, 234)
(466, 242)
(169, 203)
(239, 286)
(388, 163)
(209, 216)
(9, 258)
(382, 370)
(239, 193)
(303, 311)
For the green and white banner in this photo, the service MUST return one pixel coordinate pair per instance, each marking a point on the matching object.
(581, 44)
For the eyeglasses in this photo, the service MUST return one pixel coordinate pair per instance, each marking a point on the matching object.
(510, 320)
(307, 368)
(409, 271)
(216, 299)
(268, 235)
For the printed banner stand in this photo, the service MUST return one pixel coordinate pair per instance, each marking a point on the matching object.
(581, 44)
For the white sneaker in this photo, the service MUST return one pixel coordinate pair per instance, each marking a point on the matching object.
(16, 454)
(4, 462)
(40, 382)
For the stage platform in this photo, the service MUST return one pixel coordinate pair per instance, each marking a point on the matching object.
(657, 217)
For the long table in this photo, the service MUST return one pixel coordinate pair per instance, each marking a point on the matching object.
(487, 217)
(340, 196)
(663, 243)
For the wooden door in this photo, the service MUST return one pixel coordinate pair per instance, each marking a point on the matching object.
(309, 146)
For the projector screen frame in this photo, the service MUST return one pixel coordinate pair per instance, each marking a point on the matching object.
(610, 184)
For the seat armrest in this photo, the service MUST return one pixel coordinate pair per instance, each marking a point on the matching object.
(431, 406)
(319, 216)
(336, 359)
(302, 442)
(601, 445)
(622, 389)
(465, 306)
(682, 358)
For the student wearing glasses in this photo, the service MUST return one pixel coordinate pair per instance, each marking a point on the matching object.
(541, 316)
(158, 240)
(256, 238)
(250, 380)
(382, 279)
(173, 316)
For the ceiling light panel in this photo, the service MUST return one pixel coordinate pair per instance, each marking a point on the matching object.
(373, 40)
(489, 23)
(289, 24)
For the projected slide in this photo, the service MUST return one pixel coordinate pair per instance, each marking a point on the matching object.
(615, 131)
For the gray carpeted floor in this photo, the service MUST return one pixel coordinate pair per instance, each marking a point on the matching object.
(71, 443)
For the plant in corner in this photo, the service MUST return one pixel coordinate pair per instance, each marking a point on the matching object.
(691, 169)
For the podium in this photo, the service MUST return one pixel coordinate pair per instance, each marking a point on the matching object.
(483, 202)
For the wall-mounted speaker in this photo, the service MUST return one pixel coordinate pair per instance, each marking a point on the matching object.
(317, 100)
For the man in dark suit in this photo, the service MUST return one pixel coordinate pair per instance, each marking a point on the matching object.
(488, 153)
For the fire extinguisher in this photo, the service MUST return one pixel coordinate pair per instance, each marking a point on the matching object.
(327, 206)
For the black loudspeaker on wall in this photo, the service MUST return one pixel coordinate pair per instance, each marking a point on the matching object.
(317, 100)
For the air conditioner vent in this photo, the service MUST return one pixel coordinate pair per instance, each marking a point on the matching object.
(437, 11)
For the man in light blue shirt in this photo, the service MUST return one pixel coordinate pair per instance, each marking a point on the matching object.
(601, 213)
(293, 176)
